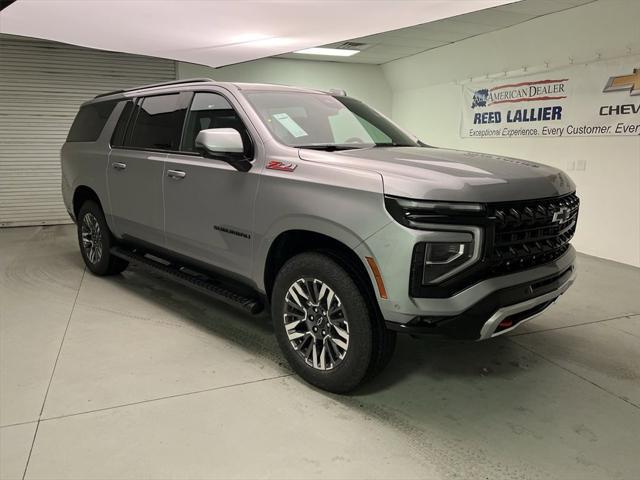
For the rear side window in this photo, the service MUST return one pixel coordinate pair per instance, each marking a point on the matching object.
(158, 123)
(117, 138)
(90, 121)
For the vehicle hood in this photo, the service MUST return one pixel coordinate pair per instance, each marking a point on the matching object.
(451, 175)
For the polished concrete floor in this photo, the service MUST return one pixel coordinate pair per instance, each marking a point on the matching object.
(136, 377)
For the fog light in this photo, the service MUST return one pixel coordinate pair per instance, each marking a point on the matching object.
(442, 260)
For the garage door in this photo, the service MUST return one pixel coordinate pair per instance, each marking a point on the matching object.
(42, 85)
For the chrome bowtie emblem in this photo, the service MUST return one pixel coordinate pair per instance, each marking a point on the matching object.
(562, 215)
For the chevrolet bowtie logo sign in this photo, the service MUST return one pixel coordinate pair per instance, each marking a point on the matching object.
(625, 82)
(562, 215)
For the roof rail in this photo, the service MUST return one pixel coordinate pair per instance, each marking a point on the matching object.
(153, 85)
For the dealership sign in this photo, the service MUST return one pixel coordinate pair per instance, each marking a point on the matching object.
(590, 100)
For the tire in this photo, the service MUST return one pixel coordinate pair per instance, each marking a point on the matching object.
(92, 224)
(342, 307)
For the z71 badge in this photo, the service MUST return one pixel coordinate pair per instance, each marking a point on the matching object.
(285, 167)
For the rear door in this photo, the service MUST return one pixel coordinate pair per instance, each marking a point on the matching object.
(208, 203)
(146, 131)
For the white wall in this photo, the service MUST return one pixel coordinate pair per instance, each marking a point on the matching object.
(427, 101)
(364, 82)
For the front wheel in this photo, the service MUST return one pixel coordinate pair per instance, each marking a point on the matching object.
(96, 240)
(326, 330)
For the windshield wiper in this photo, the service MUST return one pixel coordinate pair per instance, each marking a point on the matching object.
(329, 147)
(393, 144)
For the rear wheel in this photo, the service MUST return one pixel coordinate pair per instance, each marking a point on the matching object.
(96, 240)
(326, 330)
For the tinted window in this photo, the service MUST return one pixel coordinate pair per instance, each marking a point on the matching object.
(121, 127)
(210, 110)
(90, 121)
(158, 123)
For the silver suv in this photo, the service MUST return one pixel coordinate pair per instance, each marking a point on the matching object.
(316, 205)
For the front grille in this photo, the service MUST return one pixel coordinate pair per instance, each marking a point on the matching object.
(531, 232)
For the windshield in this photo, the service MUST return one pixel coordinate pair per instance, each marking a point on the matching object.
(314, 120)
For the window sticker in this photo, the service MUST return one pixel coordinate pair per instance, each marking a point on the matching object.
(289, 123)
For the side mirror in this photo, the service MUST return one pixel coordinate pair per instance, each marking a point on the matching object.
(223, 144)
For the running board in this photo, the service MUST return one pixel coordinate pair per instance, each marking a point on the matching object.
(198, 282)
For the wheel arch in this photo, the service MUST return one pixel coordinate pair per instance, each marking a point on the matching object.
(295, 241)
(81, 194)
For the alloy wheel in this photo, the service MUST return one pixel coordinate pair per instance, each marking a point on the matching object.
(91, 237)
(316, 323)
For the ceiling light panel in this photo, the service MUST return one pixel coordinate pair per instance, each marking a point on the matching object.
(330, 52)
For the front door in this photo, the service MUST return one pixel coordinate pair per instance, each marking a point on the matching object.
(208, 203)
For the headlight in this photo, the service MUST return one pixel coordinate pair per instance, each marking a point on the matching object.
(454, 242)
(441, 260)
(416, 213)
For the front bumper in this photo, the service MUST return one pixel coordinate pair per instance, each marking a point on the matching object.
(512, 316)
(499, 312)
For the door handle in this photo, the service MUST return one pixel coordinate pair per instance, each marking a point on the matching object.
(119, 165)
(177, 174)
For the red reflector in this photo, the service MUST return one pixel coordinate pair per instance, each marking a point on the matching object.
(506, 324)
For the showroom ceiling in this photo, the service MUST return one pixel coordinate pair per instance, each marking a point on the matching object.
(220, 32)
(391, 45)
